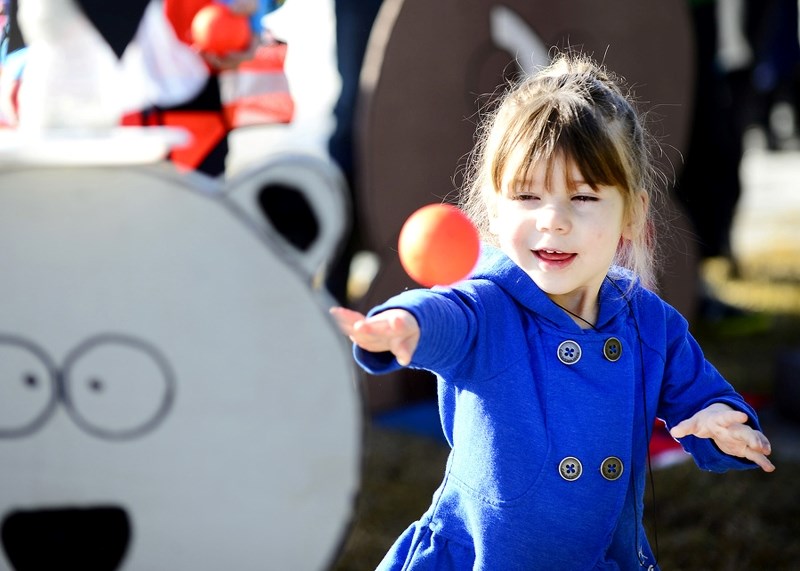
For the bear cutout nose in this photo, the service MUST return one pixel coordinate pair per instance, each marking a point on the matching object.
(91, 539)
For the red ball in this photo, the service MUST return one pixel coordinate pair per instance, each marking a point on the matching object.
(438, 245)
(217, 30)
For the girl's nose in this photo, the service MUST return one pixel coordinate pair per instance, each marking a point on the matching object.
(552, 218)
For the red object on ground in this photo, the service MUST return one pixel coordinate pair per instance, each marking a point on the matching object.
(217, 30)
(438, 245)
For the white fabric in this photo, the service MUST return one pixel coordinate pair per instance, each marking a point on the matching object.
(73, 79)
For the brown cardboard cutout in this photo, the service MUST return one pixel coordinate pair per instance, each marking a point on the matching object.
(429, 66)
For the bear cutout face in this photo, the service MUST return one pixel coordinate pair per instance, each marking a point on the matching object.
(173, 394)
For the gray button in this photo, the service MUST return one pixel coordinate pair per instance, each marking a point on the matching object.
(611, 468)
(569, 352)
(570, 468)
(612, 350)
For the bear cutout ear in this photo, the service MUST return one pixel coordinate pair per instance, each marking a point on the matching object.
(116, 20)
(300, 203)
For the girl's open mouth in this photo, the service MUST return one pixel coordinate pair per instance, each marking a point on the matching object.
(554, 257)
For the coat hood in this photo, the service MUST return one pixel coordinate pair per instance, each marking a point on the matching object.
(494, 265)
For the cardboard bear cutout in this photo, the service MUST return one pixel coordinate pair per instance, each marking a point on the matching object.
(173, 393)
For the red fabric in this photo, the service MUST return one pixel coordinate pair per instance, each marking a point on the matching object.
(180, 13)
(267, 58)
(260, 109)
(264, 102)
(205, 128)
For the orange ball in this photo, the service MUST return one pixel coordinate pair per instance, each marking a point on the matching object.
(217, 30)
(438, 245)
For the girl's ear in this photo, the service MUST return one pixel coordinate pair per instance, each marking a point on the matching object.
(637, 215)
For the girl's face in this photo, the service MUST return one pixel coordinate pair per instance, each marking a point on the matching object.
(560, 231)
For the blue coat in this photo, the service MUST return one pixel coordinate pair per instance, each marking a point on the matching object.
(548, 423)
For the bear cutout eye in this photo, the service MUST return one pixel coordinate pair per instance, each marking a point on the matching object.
(27, 387)
(117, 387)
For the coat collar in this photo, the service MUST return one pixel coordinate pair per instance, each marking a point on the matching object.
(496, 266)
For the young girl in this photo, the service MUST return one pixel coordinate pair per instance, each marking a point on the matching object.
(554, 359)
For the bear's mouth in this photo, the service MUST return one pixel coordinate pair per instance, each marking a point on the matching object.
(68, 538)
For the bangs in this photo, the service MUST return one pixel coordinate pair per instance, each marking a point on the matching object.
(562, 126)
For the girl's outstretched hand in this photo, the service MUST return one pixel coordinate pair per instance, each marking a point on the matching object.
(394, 330)
(727, 428)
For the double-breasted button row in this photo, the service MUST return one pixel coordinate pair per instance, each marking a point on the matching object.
(569, 352)
(570, 468)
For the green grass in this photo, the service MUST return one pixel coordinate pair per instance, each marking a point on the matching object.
(733, 521)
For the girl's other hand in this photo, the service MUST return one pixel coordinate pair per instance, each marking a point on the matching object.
(727, 428)
(394, 330)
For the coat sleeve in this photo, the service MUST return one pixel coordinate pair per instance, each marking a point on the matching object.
(691, 384)
(446, 328)
(457, 326)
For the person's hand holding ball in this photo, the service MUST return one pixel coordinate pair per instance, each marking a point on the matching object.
(222, 34)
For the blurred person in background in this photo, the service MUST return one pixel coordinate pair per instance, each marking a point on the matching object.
(709, 186)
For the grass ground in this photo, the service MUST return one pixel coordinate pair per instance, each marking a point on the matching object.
(716, 522)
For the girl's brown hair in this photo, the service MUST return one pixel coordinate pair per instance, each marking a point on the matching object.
(576, 108)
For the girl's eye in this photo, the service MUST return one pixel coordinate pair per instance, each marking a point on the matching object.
(523, 196)
(585, 198)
